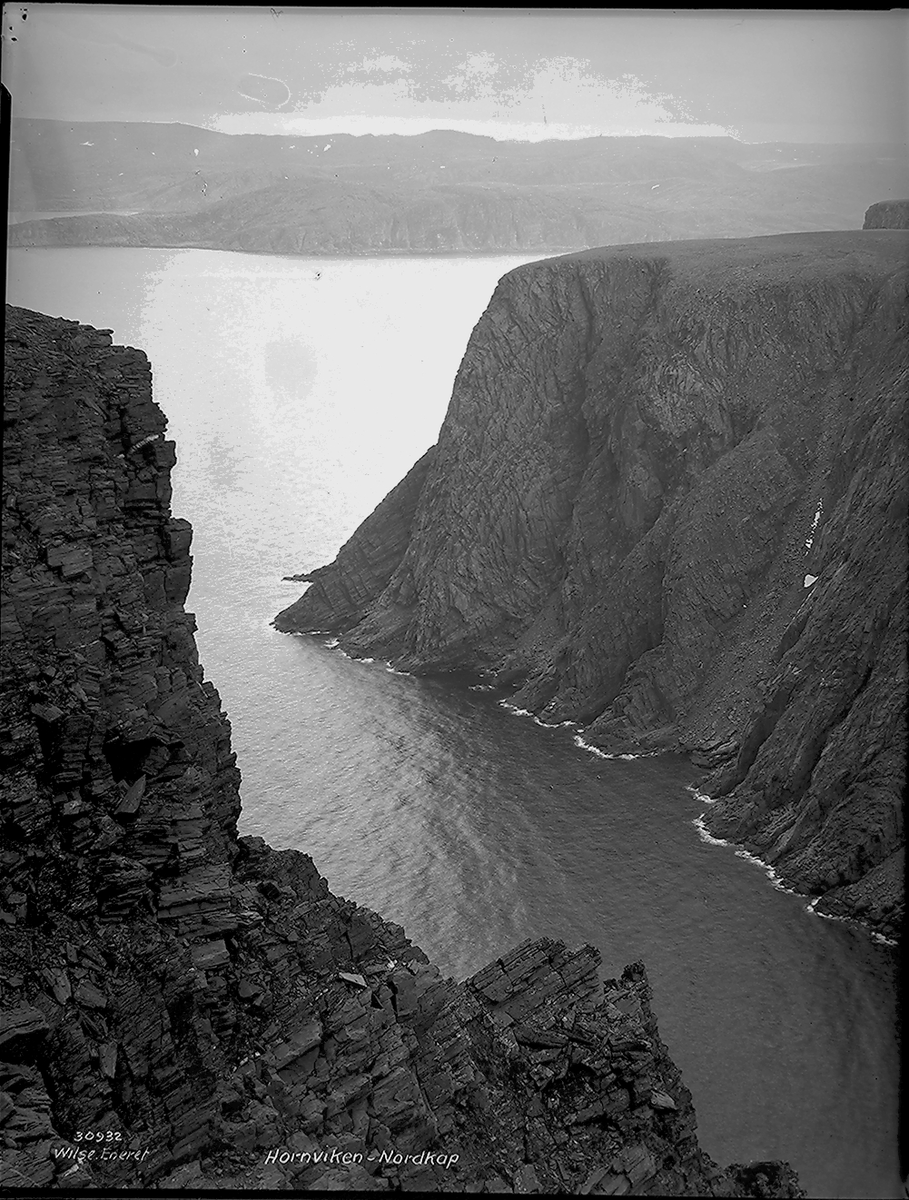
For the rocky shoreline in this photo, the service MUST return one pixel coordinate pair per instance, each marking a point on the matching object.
(668, 503)
(183, 1008)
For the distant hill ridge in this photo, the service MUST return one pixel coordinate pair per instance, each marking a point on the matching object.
(439, 191)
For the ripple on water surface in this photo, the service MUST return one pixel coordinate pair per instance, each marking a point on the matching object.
(475, 830)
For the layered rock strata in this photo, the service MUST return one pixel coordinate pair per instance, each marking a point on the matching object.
(185, 1008)
(668, 503)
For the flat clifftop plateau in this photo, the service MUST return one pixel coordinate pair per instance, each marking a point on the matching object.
(668, 503)
(184, 1008)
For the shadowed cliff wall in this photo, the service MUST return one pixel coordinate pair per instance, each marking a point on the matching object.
(668, 503)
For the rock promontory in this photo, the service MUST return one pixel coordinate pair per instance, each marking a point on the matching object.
(668, 503)
(184, 1008)
(888, 214)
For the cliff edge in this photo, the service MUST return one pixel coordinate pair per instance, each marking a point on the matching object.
(668, 503)
(188, 1009)
(888, 214)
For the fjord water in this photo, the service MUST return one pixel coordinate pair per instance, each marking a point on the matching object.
(299, 391)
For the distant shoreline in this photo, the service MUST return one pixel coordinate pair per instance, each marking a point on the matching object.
(504, 253)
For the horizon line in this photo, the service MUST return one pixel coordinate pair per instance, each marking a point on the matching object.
(578, 137)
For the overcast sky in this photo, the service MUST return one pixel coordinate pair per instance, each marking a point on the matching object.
(758, 75)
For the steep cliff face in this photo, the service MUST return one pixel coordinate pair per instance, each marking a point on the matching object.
(368, 560)
(668, 503)
(888, 214)
(185, 1007)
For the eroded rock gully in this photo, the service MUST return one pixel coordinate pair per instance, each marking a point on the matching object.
(668, 503)
(186, 1008)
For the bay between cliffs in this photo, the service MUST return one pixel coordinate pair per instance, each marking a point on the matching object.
(299, 391)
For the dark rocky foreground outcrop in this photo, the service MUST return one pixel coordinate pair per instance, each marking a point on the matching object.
(668, 503)
(183, 1007)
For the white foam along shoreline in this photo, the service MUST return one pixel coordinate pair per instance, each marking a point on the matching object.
(582, 745)
(332, 643)
(776, 882)
(577, 739)
(740, 852)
